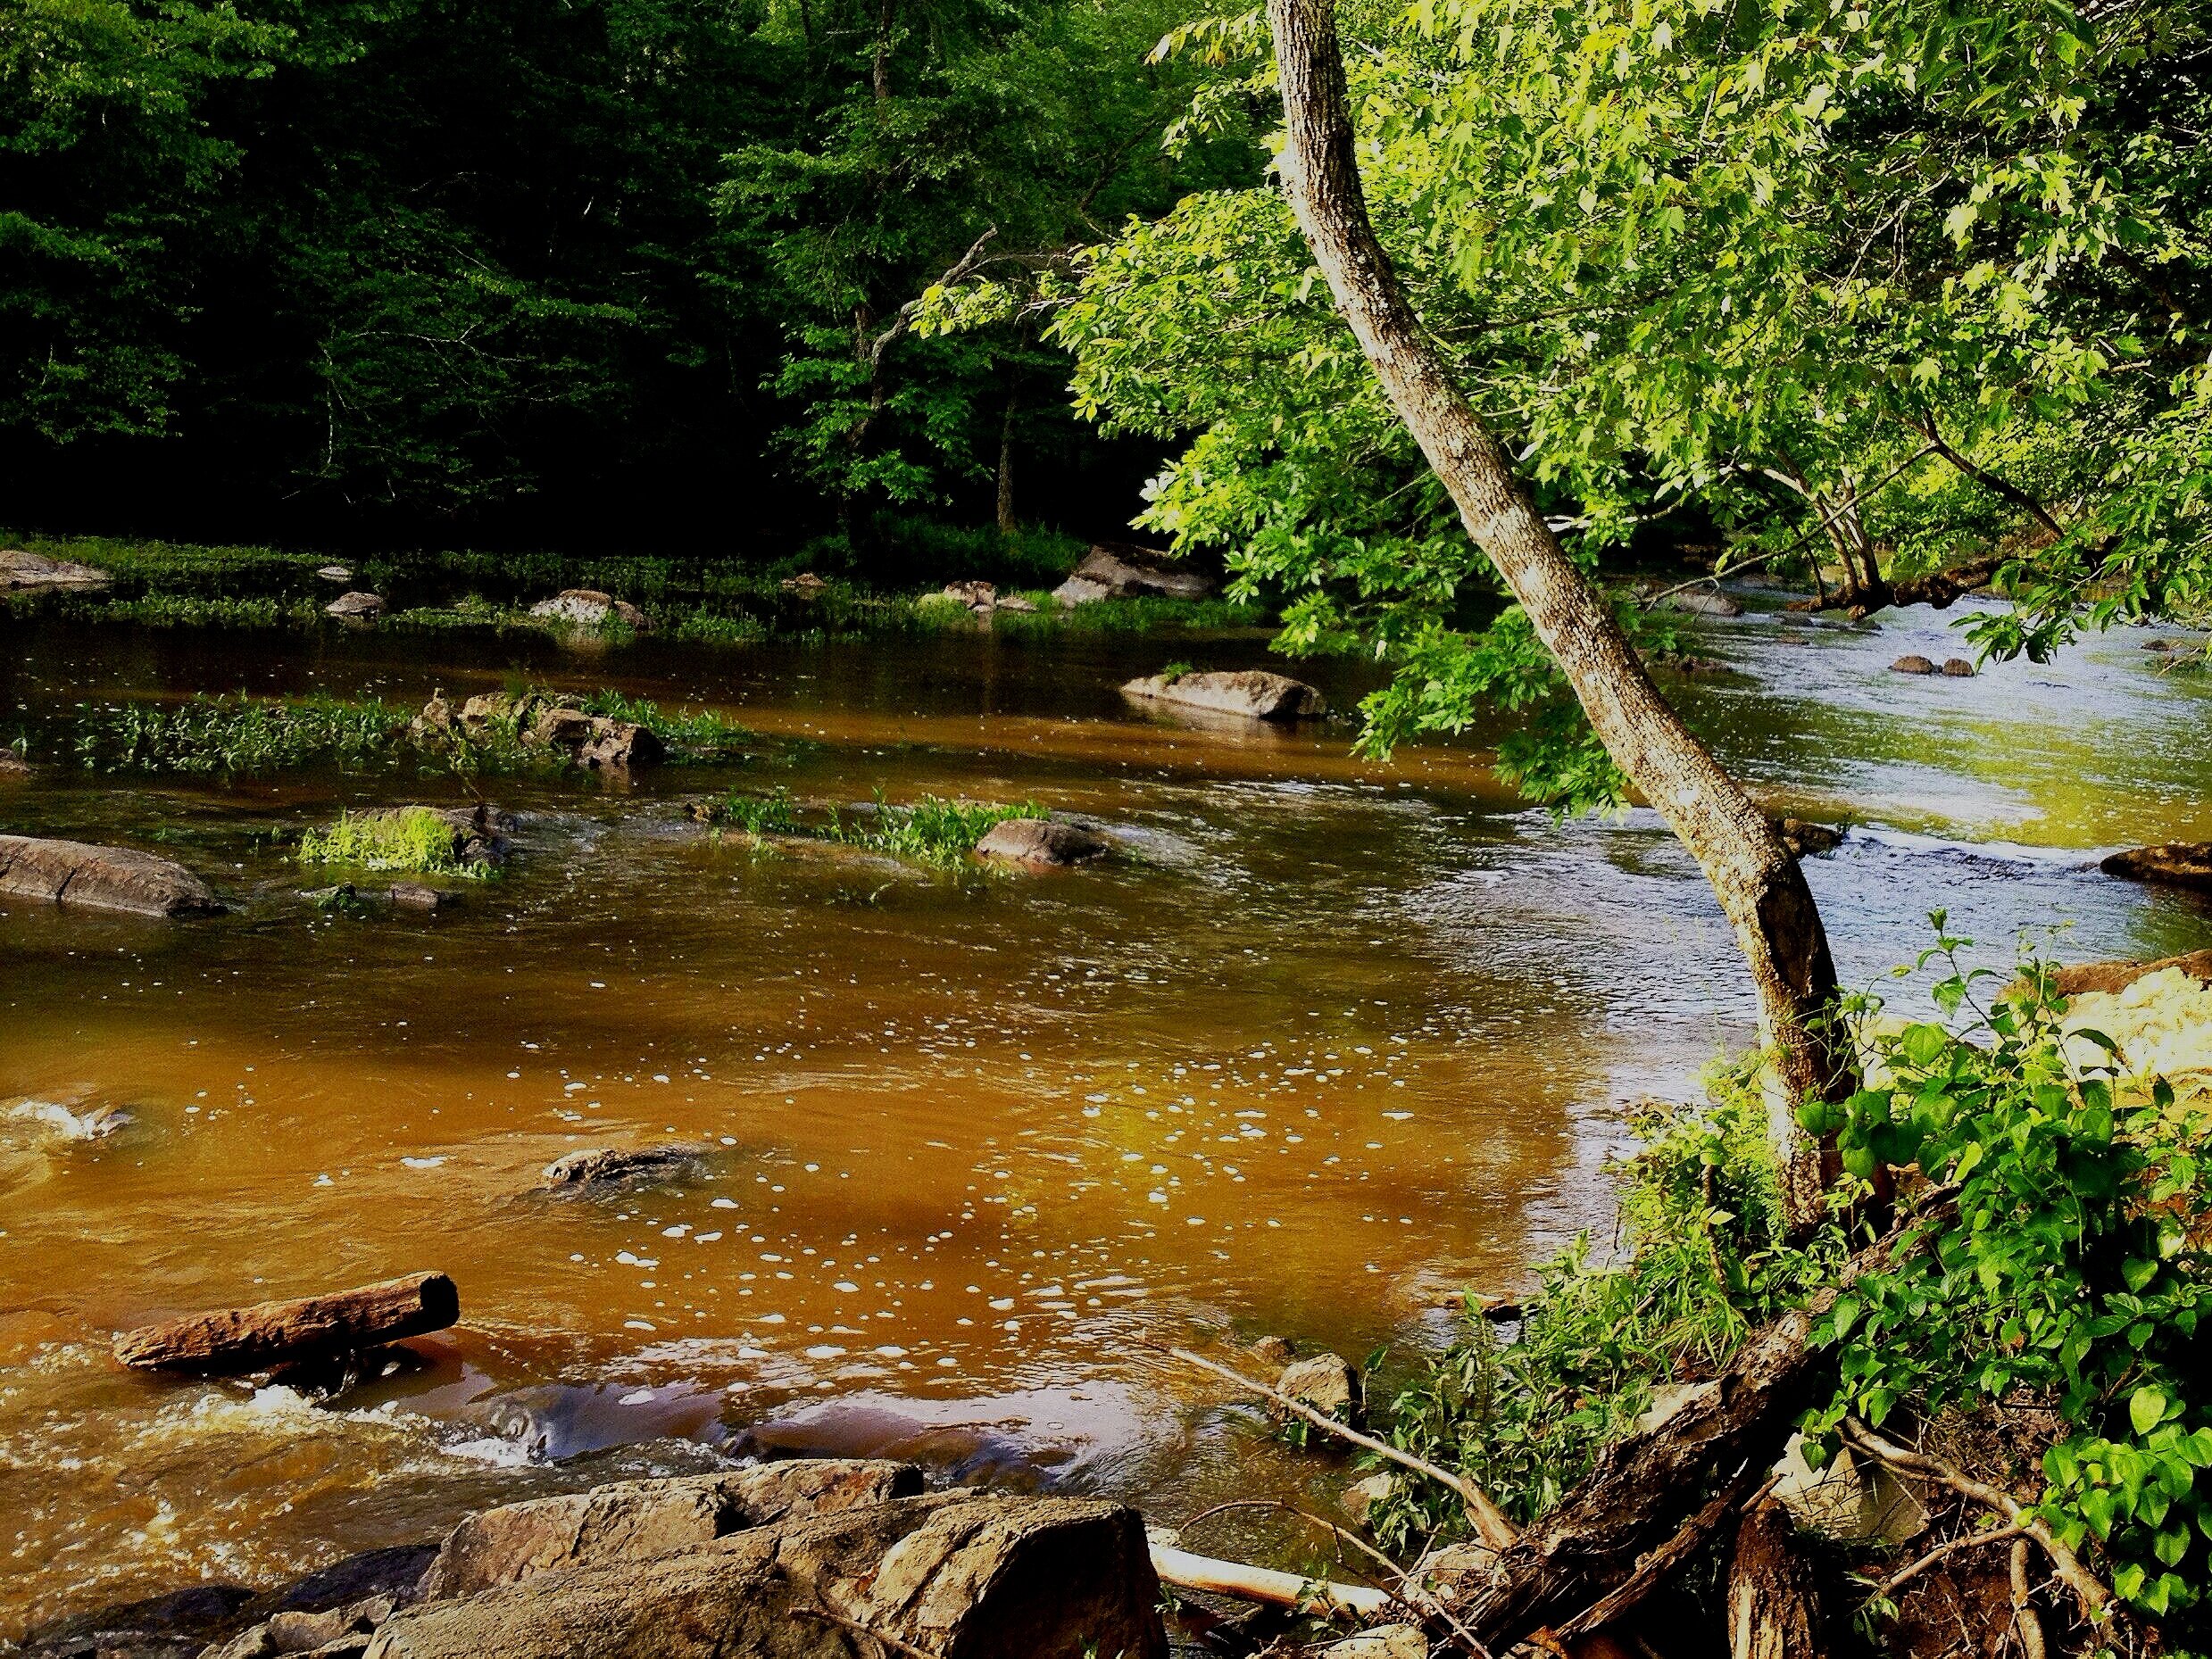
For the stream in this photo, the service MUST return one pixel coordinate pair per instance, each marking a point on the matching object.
(1329, 1040)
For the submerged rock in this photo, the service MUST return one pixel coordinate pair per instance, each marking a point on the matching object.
(420, 896)
(588, 608)
(21, 572)
(2176, 864)
(1912, 664)
(1042, 843)
(1121, 570)
(964, 1572)
(12, 766)
(1327, 1383)
(356, 606)
(1703, 603)
(635, 1519)
(599, 1167)
(1252, 692)
(102, 878)
(176, 1626)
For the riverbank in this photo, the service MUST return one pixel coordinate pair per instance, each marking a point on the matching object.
(165, 584)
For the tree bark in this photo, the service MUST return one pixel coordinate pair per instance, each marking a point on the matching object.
(1006, 469)
(1757, 882)
(314, 1327)
(1772, 1610)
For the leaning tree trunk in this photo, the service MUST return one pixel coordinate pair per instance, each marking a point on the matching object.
(1758, 884)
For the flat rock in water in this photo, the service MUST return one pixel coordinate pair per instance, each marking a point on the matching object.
(420, 896)
(102, 878)
(2176, 864)
(588, 608)
(2114, 977)
(355, 607)
(978, 1575)
(339, 574)
(1327, 1383)
(1252, 692)
(1042, 843)
(637, 1519)
(606, 1167)
(21, 571)
(1701, 602)
(1913, 663)
(1122, 570)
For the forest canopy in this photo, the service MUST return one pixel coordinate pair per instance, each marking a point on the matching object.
(455, 267)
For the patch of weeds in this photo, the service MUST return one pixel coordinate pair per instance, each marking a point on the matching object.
(1175, 671)
(933, 831)
(241, 734)
(702, 735)
(412, 841)
(199, 610)
(1133, 615)
(704, 628)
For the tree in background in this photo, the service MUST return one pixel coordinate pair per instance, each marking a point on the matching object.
(939, 139)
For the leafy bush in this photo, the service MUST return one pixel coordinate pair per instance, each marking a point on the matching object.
(2068, 1265)
(413, 840)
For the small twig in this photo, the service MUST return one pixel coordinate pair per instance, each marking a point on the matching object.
(1739, 1493)
(1490, 1522)
(2095, 1598)
(1890, 1586)
(890, 1644)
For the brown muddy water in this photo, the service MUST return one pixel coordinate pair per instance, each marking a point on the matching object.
(1325, 1041)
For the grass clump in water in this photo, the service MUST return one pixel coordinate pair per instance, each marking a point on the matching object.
(241, 734)
(413, 840)
(933, 830)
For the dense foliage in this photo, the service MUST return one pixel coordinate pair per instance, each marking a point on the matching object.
(1905, 283)
(398, 268)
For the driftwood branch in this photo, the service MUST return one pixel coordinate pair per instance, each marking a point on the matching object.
(1185, 1570)
(1897, 1581)
(2096, 1600)
(1488, 1520)
(314, 1327)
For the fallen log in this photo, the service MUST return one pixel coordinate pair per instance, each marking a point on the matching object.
(269, 1334)
(1645, 1487)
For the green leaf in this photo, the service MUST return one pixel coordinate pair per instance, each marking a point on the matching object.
(2146, 1408)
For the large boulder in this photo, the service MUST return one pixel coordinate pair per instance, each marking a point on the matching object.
(1253, 694)
(962, 1574)
(637, 1519)
(102, 878)
(2176, 864)
(1120, 570)
(1042, 843)
(21, 572)
(588, 608)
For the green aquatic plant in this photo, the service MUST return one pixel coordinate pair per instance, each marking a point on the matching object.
(413, 840)
(207, 733)
(932, 831)
(686, 734)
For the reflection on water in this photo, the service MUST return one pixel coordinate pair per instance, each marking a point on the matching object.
(1330, 1035)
